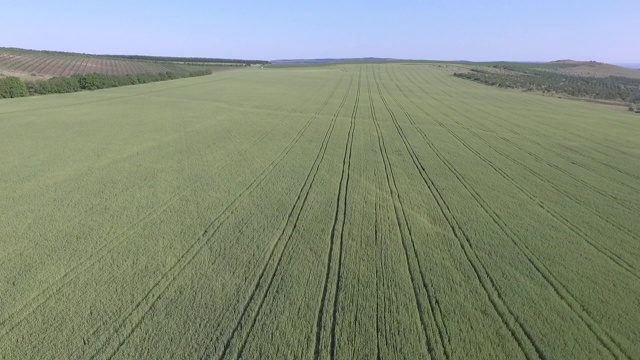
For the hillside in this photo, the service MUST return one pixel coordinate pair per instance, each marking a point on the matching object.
(593, 68)
(591, 80)
(31, 64)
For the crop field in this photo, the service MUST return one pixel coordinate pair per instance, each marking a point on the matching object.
(27, 63)
(387, 211)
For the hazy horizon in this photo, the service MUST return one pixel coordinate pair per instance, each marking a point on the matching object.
(630, 65)
(464, 30)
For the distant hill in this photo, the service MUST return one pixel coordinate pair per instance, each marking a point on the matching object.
(593, 68)
(585, 80)
(34, 64)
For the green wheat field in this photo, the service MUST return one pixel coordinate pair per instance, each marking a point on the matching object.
(358, 211)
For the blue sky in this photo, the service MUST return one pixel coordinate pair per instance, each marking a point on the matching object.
(515, 30)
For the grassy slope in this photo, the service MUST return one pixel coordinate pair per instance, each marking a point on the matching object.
(349, 210)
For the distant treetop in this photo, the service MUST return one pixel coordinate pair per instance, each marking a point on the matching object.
(188, 59)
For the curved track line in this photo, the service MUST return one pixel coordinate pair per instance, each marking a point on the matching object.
(560, 155)
(509, 319)
(14, 319)
(121, 330)
(400, 214)
(625, 265)
(346, 167)
(292, 219)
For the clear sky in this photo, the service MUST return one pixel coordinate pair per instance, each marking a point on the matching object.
(518, 30)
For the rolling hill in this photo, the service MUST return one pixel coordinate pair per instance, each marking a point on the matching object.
(32, 64)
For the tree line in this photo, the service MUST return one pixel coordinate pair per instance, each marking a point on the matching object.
(187, 60)
(613, 88)
(12, 87)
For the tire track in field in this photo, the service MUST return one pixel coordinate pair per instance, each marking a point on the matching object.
(346, 167)
(566, 194)
(539, 159)
(378, 246)
(94, 208)
(126, 324)
(400, 214)
(434, 303)
(291, 112)
(623, 264)
(14, 319)
(560, 155)
(603, 163)
(285, 236)
(569, 300)
(533, 172)
(340, 196)
(578, 164)
(536, 104)
(520, 334)
(98, 206)
(563, 156)
(490, 116)
(555, 214)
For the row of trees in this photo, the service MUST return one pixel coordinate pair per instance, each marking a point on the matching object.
(187, 60)
(14, 87)
(607, 88)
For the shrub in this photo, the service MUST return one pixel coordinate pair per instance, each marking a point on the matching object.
(12, 87)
